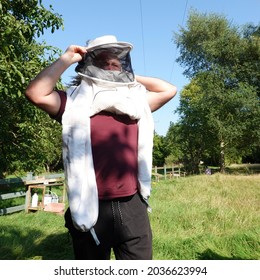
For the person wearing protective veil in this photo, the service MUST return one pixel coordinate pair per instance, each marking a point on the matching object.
(107, 134)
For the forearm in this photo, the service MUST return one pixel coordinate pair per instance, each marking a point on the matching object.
(41, 91)
(154, 84)
(159, 91)
(44, 83)
(42, 86)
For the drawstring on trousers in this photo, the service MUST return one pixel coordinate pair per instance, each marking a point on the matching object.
(117, 203)
(120, 212)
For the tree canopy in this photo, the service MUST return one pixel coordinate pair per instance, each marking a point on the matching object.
(219, 110)
(27, 137)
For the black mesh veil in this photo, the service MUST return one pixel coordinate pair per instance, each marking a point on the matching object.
(91, 64)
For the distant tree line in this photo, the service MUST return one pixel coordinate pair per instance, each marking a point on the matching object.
(219, 113)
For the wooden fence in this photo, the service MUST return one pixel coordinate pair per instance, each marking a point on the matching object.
(168, 172)
(7, 184)
(158, 173)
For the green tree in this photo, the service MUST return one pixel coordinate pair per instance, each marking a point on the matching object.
(192, 134)
(159, 151)
(23, 144)
(220, 108)
(174, 145)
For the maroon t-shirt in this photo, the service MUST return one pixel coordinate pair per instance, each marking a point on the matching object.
(114, 141)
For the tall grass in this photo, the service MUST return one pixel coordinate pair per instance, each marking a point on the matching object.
(198, 217)
(207, 217)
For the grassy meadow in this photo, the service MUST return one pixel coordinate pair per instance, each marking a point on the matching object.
(193, 218)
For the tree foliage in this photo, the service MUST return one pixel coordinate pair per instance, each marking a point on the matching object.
(212, 43)
(23, 143)
(159, 150)
(219, 109)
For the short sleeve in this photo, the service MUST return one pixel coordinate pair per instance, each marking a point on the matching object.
(63, 98)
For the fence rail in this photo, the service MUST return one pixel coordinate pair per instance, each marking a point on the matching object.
(12, 209)
(6, 184)
(168, 172)
(158, 173)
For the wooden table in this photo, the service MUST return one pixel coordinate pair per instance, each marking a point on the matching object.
(41, 183)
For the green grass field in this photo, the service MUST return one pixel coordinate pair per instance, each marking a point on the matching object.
(193, 218)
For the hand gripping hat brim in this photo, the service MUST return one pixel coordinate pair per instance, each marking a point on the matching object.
(107, 41)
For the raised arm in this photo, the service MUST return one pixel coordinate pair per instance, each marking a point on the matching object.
(40, 90)
(159, 91)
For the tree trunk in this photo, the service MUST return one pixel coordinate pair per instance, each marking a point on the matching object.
(222, 157)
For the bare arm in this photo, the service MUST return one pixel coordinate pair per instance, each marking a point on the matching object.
(159, 91)
(41, 92)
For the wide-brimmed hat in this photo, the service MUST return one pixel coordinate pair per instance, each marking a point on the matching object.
(107, 41)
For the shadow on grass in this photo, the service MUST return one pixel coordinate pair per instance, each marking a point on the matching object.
(210, 255)
(17, 245)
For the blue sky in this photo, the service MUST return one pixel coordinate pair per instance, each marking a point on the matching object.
(149, 25)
